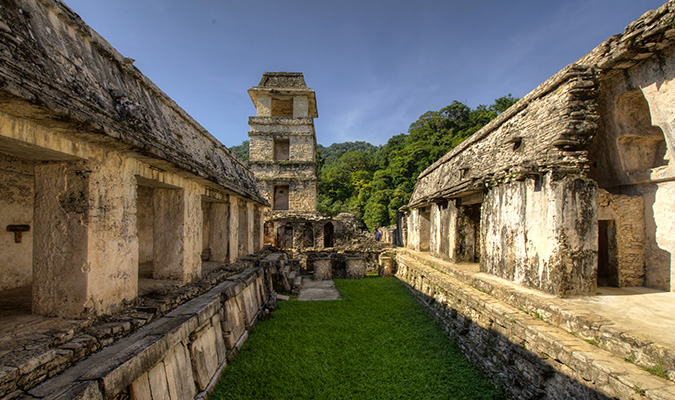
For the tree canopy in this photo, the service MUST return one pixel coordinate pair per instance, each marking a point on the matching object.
(374, 182)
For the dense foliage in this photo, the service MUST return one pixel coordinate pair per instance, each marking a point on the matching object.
(375, 343)
(373, 182)
(241, 151)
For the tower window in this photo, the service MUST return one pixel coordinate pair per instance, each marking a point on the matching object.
(282, 107)
(280, 197)
(281, 149)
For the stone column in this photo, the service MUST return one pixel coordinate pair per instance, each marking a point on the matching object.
(86, 252)
(243, 228)
(219, 231)
(234, 228)
(169, 208)
(250, 213)
(435, 234)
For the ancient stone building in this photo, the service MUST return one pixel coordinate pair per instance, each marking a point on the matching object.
(282, 141)
(572, 186)
(568, 192)
(109, 192)
(282, 156)
(106, 181)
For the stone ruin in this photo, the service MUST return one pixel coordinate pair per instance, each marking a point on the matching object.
(133, 258)
(282, 156)
(117, 209)
(572, 186)
(569, 192)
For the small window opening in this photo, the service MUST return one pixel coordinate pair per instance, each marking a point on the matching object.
(281, 149)
(282, 107)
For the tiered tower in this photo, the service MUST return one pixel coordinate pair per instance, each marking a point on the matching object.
(282, 142)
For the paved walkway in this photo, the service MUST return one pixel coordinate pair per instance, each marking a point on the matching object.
(318, 290)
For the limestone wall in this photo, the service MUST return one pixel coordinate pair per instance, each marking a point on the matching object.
(627, 261)
(632, 155)
(529, 138)
(97, 217)
(176, 357)
(542, 235)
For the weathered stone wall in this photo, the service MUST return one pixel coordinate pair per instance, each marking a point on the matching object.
(87, 252)
(16, 208)
(529, 138)
(632, 153)
(606, 120)
(542, 234)
(301, 196)
(300, 136)
(175, 357)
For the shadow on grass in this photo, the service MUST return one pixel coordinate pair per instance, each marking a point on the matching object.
(376, 343)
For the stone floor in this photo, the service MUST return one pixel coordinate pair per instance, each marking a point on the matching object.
(19, 328)
(318, 290)
(646, 312)
(643, 311)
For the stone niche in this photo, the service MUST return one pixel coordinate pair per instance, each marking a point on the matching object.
(631, 161)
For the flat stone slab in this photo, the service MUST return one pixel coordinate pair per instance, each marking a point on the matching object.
(318, 290)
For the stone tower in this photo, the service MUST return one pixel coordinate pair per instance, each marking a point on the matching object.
(282, 142)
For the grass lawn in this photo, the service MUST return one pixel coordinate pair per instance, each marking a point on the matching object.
(375, 343)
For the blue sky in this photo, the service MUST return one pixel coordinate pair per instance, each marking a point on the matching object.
(376, 66)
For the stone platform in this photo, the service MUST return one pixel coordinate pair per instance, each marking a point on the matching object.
(318, 290)
(34, 348)
(594, 345)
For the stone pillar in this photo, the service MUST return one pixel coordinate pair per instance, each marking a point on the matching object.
(177, 234)
(219, 232)
(168, 205)
(250, 214)
(243, 228)
(435, 231)
(414, 229)
(259, 228)
(85, 256)
(323, 269)
(355, 267)
(234, 228)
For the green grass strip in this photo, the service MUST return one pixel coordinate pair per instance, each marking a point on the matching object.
(375, 343)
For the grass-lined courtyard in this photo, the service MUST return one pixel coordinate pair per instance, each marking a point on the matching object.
(375, 343)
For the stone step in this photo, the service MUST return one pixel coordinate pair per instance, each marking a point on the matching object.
(291, 276)
(570, 315)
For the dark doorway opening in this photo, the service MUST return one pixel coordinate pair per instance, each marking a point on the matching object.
(328, 231)
(608, 271)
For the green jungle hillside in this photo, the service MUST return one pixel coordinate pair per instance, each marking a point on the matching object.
(372, 182)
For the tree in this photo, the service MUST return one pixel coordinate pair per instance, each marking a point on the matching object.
(241, 151)
(374, 182)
